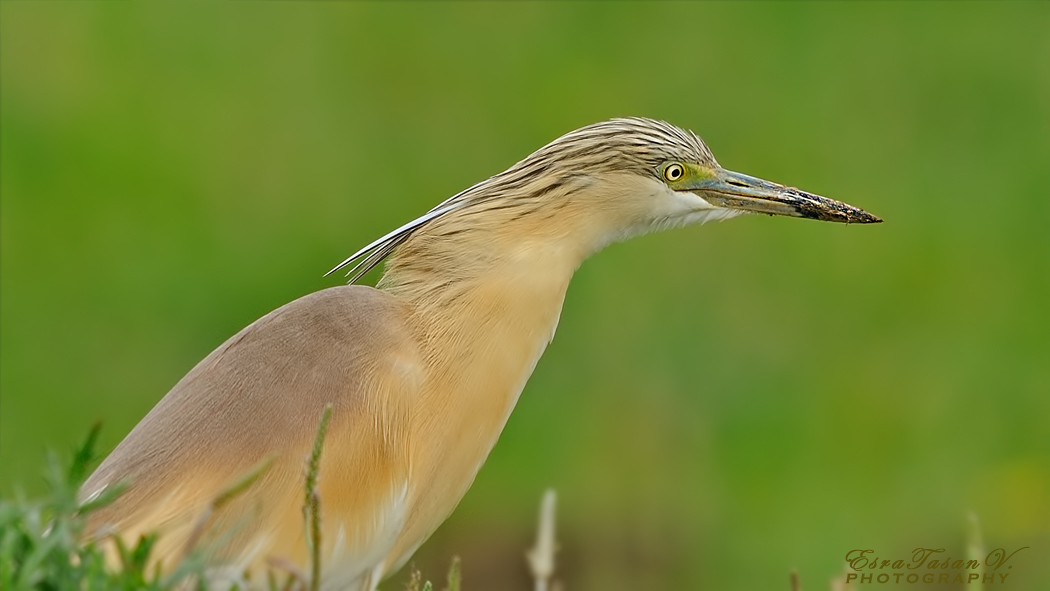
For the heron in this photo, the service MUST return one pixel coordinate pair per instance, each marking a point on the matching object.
(420, 372)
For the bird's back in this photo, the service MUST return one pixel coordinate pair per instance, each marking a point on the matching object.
(259, 397)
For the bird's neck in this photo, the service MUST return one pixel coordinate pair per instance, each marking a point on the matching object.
(485, 285)
(484, 309)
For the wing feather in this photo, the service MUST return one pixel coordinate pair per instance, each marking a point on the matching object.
(259, 397)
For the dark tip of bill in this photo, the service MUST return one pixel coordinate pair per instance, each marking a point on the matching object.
(828, 210)
(842, 213)
(855, 216)
(867, 218)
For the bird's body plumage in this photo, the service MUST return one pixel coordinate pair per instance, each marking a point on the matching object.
(421, 372)
(259, 397)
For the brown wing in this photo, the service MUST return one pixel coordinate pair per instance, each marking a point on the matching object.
(260, 396)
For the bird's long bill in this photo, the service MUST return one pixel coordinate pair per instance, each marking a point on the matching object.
(740, 191)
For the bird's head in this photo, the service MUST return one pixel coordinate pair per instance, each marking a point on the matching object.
(659, 176)
(606, 182)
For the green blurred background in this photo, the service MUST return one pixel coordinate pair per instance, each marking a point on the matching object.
(721, 403)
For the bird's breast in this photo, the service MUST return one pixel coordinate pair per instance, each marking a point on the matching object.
(481, 349)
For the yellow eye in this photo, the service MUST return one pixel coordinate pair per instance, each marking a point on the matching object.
(674, 172)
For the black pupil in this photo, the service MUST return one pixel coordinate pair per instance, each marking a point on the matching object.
(675, 172)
